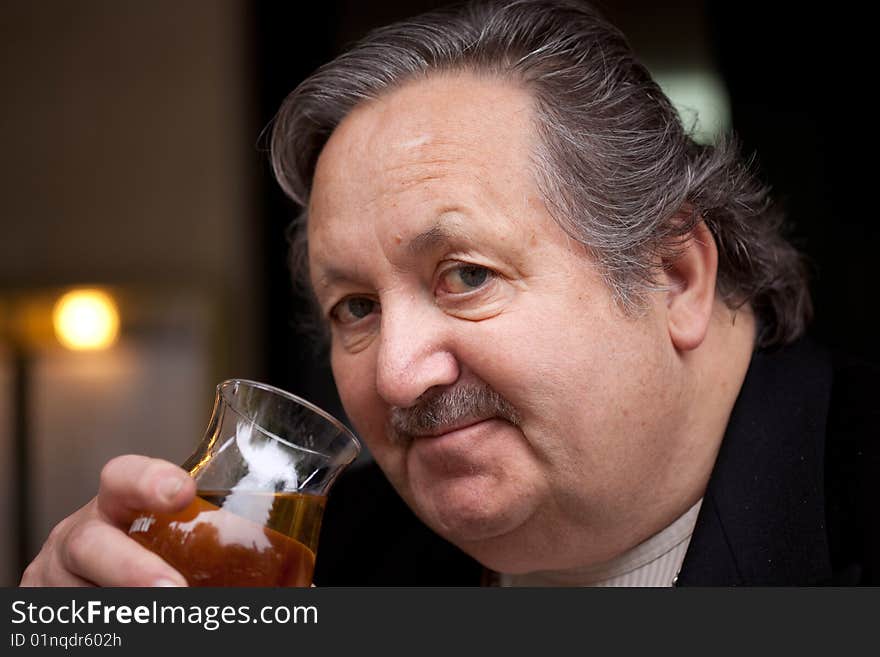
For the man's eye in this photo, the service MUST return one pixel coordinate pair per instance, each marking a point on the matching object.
(353, 309)
(465, 278)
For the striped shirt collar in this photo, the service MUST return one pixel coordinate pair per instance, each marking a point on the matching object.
(654, 562)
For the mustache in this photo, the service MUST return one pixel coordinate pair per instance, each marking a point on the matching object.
(447, 408)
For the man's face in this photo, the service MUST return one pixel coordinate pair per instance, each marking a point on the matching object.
(475, 347)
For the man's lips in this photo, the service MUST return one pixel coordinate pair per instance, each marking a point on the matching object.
(445, 429)
(461, 449)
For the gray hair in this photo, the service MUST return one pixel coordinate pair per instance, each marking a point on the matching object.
(615, 166)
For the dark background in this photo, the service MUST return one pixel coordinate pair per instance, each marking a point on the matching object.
(798, 82)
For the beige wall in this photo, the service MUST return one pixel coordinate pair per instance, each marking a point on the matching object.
(128, 148)
(128, 159)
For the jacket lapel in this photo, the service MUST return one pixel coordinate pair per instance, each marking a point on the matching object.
(762, 521)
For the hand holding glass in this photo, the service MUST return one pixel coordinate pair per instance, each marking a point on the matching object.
(262, 471)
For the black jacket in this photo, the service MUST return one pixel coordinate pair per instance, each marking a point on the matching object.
(794, 497)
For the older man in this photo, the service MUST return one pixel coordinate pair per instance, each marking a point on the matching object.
(559, 324)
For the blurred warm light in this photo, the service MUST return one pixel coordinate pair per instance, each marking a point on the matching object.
(86, 319)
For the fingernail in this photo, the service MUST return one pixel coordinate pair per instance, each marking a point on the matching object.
(165, 582)
(169, 487)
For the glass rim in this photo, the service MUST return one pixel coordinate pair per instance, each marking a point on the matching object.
(223, 385)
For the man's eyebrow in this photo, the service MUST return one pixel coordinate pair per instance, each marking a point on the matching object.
(330, 276)
(438, 234)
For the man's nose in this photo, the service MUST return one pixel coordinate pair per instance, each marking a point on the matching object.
(414, 355)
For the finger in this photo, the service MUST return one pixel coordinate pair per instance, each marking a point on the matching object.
(41, 574)
(103, 554)
(46, 569)
(132, 484)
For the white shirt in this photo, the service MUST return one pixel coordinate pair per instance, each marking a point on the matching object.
(654, 562)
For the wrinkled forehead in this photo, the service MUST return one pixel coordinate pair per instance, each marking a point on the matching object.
(473, 135)
(443, 110)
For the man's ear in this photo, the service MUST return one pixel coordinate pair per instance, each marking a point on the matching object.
(691, 296)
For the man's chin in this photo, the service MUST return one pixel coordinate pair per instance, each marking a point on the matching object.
(498, 536)
(471, 484)
(468, 510)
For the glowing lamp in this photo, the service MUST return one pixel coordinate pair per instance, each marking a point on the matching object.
(86, 319)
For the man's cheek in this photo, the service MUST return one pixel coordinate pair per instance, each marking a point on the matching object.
(355, 385)
(365, 410)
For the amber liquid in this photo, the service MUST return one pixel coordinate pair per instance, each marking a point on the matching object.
(238, 538)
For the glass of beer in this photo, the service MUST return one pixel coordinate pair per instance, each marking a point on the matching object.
(262, 472)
